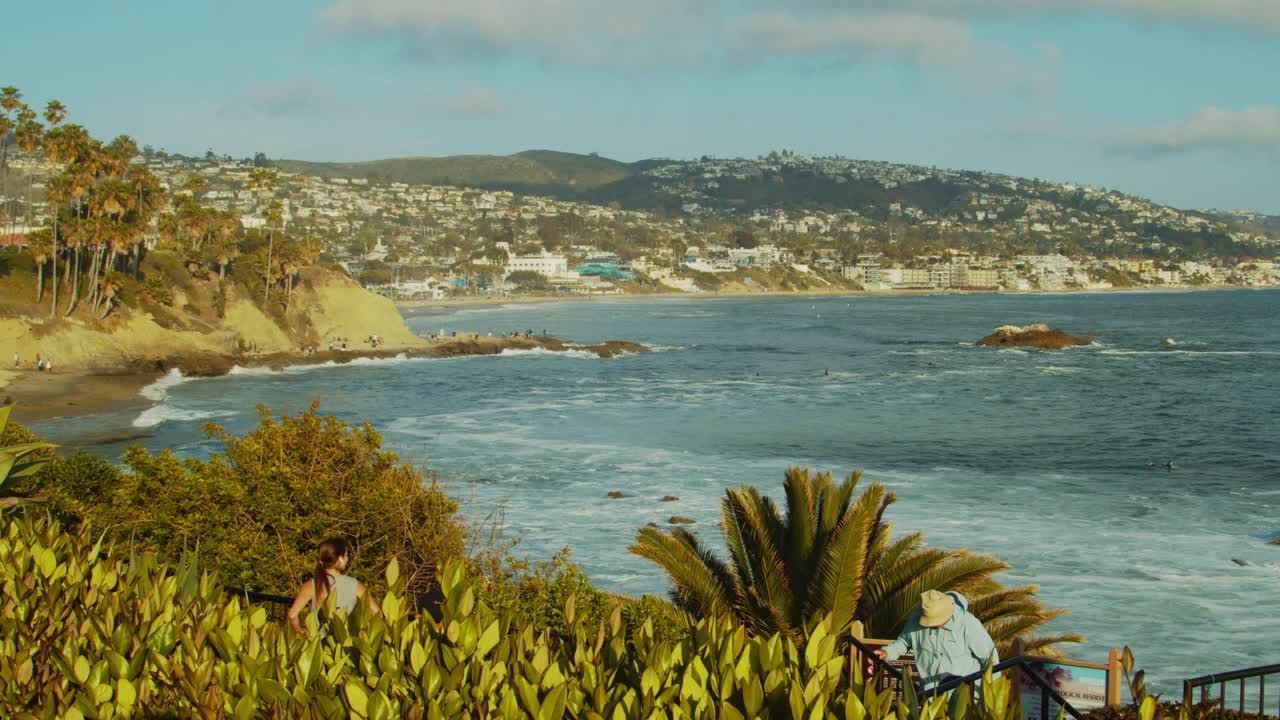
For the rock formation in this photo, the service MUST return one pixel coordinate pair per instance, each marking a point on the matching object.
(1037, 335)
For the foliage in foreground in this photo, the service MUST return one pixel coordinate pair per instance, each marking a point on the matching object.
(830, 553)
(92, 638)
(256, 510)
(21, 455)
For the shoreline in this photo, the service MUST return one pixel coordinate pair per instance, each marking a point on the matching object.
(815, 292)
(44, 396)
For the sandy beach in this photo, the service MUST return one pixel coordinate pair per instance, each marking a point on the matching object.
(43, 395)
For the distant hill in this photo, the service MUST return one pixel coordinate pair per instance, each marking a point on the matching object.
(876, 191)
(540, 172)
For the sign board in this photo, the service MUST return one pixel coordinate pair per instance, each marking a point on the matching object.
(1084, 685)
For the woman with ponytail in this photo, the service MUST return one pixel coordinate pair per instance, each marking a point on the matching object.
(328, 578)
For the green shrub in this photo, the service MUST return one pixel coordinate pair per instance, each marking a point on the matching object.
(86, 638)
(257, 509)
(534, 595)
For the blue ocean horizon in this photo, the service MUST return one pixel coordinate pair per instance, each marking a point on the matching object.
(1053, 460)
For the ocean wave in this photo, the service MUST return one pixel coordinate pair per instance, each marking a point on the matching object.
(164, 412)
(159, 390)
(544, 352)
(499, 308)
(1059, 370)
(1226, 353)
(261, 370)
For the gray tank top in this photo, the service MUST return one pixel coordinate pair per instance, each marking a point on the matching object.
(345, 591)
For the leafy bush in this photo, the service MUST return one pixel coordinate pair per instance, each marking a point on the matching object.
(86, 638)
(534, 595)
(21, 455)
(256, 510)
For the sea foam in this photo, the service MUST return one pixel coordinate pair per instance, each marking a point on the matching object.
(159, 390)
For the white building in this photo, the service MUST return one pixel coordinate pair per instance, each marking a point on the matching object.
(544, 263)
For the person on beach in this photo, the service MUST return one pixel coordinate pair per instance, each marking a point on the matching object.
(16, 361)
(945, 639)
(334, 556)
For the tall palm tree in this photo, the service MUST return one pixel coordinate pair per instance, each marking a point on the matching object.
(29, 136)
(54, 113)
(110, 284)
(10, 102)
(830, 553)
(41, 244)
(275, 219)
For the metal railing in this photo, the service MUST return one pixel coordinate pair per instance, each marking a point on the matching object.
(1025, 666)
(1243, 698)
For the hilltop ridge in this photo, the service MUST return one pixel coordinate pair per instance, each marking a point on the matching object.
(533, 171)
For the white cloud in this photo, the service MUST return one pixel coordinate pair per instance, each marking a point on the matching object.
(1252, 15)
(290, 97)
(1210, 128)
(932, 42)
(558, 31)
(476, 101)
(1248, 130)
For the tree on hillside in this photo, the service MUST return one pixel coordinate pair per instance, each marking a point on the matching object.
(290, 482)
(10, 102)
(831, 552)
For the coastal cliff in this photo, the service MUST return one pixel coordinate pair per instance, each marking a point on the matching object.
(325, 304)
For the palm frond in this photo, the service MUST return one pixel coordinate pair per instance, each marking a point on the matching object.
(842, 571)
(1045, 645)
(701, 583)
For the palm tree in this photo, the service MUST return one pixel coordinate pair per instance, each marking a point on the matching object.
(41, 248)
(110, 284)
(830, 553)
(275, 219)
(10, 102)
(54, 113)
(29, 136)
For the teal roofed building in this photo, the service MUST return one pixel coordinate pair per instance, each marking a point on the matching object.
(606, 269)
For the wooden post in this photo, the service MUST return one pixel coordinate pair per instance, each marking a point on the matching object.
(1015, 674)
(1114, 673)
(855, 655)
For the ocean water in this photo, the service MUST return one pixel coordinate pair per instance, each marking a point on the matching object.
(1039, 457)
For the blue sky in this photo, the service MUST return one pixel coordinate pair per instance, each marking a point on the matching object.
(1176, 100)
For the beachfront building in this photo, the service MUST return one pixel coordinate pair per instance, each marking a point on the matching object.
(554, 268)
(544, 263)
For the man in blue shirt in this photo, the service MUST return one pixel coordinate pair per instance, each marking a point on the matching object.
(945, 639)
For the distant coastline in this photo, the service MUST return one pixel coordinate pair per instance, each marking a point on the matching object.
(812, 292)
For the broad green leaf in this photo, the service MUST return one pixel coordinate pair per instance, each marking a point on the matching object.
(357, 698)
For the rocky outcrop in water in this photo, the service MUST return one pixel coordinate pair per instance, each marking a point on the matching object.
(1037, 335)
(680, 520)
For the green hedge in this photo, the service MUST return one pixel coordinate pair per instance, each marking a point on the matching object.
(86, 638)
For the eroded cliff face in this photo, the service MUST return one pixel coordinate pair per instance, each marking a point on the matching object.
(325, 304)
(332, 305)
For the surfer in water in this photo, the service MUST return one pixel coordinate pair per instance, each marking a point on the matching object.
(1170, 466)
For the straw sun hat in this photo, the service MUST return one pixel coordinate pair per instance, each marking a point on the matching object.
(936, 608)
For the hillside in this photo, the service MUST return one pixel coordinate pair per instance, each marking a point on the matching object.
(543, 172)
(753, 189)
(190, 326)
